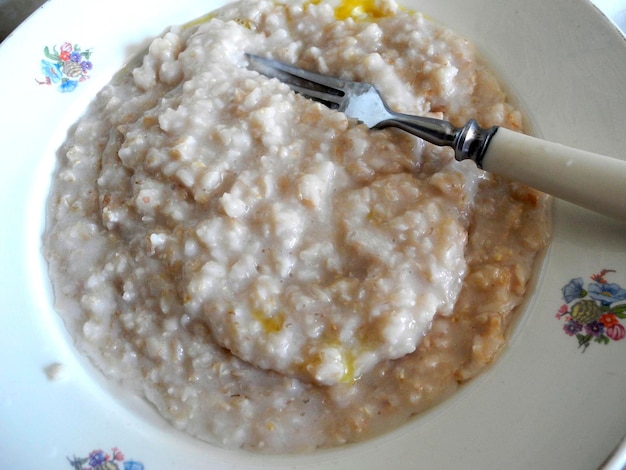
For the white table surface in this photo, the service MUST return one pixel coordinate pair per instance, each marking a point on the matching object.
(615, 10)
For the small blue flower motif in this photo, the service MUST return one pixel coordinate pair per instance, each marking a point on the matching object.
(572, 327)
(606, 293)
(132, 465)
(96, 457)
(67, 86)
(595, 328)
(573, 290)
(76, 56)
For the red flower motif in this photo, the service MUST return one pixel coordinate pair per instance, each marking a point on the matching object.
(616, 332)
(562, 311)
(117, 454)
(609, 319)
(599, 277)
(64, 56)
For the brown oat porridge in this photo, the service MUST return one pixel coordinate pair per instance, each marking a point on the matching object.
(269, 274)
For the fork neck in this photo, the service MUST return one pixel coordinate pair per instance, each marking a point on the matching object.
(469, 142)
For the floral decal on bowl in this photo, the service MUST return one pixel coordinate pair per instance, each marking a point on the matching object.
(65, 67)
(100, 460)
(593, 312)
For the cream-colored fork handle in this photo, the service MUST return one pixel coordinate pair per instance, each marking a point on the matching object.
(593, 181)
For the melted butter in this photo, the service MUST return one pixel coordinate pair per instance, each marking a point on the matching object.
(359, 9)
(245, 23)
(198, 21)
(348, 374)
(271, 323)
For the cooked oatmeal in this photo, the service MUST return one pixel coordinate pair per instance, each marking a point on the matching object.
(268, 273)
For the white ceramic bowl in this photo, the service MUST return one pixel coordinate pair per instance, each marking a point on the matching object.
(544, 404)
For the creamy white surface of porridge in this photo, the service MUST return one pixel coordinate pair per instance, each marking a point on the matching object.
(269, 274)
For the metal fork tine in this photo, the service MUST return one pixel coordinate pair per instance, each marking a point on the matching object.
(297, 77)
(331, 100)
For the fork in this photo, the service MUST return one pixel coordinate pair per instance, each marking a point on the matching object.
(586, 179)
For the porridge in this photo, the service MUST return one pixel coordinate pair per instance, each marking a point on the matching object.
(267, 273)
